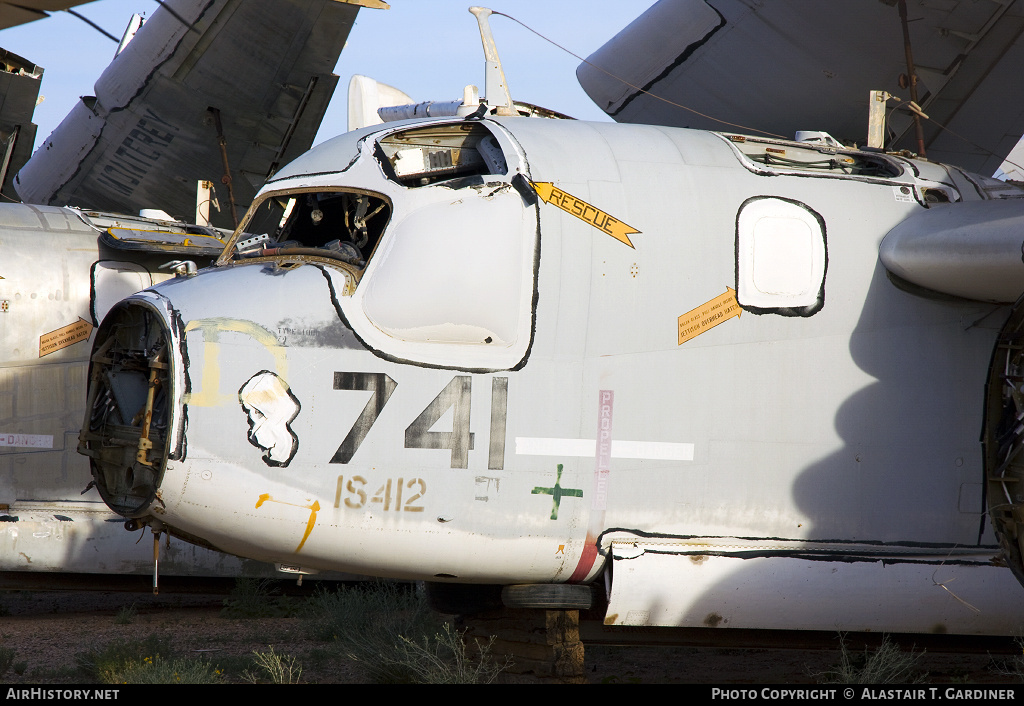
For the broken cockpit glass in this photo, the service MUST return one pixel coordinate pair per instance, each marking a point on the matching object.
(339, 225)
(345, 224)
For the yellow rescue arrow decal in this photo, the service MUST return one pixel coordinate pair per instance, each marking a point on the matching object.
(64, 337)
(706, 316)
(549, 193)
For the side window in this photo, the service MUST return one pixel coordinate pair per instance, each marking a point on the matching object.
(781, 257)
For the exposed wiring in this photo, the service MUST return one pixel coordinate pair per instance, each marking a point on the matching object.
(952, 132)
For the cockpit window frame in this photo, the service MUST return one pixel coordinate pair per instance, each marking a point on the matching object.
(228, 255)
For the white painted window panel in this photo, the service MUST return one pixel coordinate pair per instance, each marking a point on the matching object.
(780, 255)
(452, 273)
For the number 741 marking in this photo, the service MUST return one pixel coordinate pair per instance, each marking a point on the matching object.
(456, 395)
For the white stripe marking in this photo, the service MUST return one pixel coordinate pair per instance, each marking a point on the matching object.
(654, 450)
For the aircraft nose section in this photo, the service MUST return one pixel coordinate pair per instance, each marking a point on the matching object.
(128, 416)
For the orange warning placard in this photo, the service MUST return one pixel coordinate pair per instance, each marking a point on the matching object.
(64, 337)
(706, 316)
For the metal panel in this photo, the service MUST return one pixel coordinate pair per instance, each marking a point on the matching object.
(676, 585)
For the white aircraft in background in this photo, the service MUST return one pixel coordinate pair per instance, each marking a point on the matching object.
(735, 381)
(185, 101)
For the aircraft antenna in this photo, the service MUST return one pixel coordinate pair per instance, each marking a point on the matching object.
(494, 76)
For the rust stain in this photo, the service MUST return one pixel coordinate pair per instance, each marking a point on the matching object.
(610, 619)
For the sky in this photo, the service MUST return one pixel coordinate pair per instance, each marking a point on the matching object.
(428, 48)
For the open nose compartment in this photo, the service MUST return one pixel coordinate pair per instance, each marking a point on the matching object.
(128, 414)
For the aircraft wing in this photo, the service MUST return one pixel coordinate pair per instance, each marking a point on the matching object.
(791, 65)
(22, 11)
(244, 83)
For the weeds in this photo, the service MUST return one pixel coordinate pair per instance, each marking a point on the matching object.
(350, 613)
(391, 632)
(113, 657)
(155, 670)
(126, 615)
(6, 659)
(1012, 667)
(256, 598)
(443, 659)
(887, 664)
(384, 632)
(276, 668)
(120, 663)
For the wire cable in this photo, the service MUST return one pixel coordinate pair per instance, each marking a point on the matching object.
(637, 88)
(719, 120)
(95, 26)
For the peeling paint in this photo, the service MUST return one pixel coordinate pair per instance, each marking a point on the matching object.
(271, 407)
(485, 485)
(212, 328)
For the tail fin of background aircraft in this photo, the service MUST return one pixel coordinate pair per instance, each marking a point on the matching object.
(149, 134)
(366, 97)
(19, 91)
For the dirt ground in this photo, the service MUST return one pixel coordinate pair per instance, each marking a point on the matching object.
(47, 630)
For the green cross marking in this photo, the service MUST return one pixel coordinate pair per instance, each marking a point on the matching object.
(557, 493)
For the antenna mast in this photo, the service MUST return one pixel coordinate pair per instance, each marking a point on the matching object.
(495, 84)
